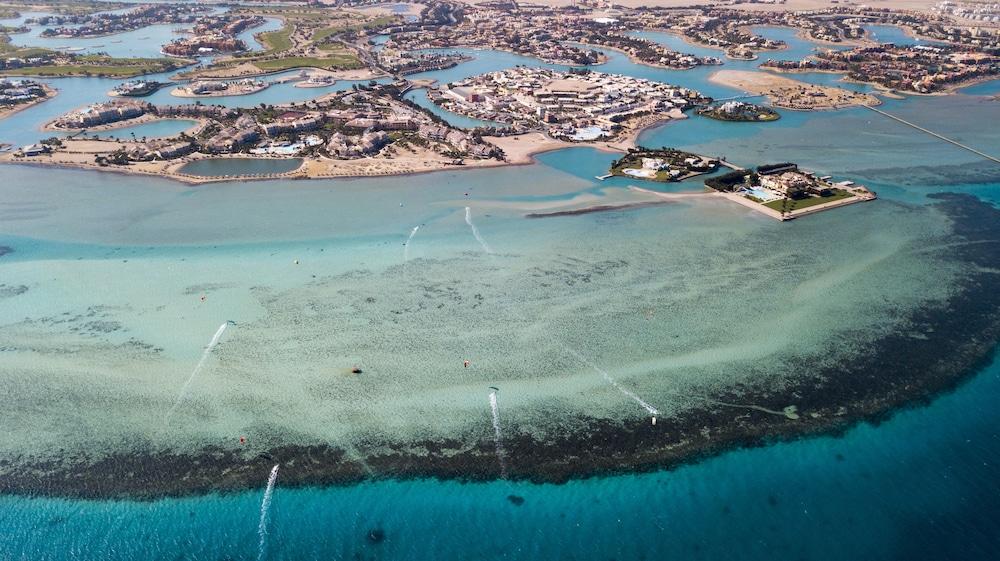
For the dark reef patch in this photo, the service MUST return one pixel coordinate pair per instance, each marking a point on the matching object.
(899, 370)
(515, 500)
(376, 535)
(5, 249)
(592, 209)
(8, 291)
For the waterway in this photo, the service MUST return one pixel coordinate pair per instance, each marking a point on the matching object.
(116, 284)
(218, 167)
(144, 42)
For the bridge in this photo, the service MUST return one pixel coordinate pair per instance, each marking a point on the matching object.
(741, 96)
(934, 134)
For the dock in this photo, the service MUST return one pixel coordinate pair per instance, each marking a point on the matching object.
(934, 134)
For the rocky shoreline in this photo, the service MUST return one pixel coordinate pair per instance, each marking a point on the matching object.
(939, 349)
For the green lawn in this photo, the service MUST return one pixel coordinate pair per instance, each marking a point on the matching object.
(102, 66)
(340, 62)
(811, 201)
(8, 49)
(377, 23)
(277, 41)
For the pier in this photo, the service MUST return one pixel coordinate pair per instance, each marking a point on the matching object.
(934, 134)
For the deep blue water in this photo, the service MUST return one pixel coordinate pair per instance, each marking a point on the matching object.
(923, 485)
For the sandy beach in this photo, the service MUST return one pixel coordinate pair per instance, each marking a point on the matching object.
(140, 120)
(792, 94)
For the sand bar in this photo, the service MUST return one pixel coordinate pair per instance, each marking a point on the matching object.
(792, 94)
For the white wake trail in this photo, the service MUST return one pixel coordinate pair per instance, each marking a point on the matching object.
(265, 506)
(475, 231)
(496, 435)
(652, 410)
(197, 369)
(406, 246)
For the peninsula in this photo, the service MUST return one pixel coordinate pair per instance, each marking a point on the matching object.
(577, 106)
(785, 192)
(16, 95)
(793, 94)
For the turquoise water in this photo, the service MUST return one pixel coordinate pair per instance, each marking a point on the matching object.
(420, 98)
(920, 486)
(248, 36)
(316, 275)
(895, 34)
(144, 42)
(23, 127)
(216, 167)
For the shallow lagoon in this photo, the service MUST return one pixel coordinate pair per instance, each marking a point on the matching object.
(682, 295)
(218, 167)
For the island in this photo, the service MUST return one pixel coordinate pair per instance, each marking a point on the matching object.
(920, 69)
(214, 88)
(739, 111)
(662, 164)
(136, 88)
(214, 34)
(785, 192)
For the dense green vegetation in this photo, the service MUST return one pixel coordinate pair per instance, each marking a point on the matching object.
(378, 23)
(770, 167)
(336, 62)
(751, 113)
(98, 65)
(277, 41)
(726, 182)
(675, 158)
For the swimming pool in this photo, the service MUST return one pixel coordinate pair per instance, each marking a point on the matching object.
(762, 194)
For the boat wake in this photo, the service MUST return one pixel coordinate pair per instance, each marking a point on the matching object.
(625, 391)
(406, 246)
(501, 457)
(194, 373)
(475, 231)
(265, 506)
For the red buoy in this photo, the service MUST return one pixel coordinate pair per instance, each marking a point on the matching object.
(243, 440)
